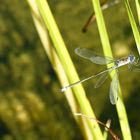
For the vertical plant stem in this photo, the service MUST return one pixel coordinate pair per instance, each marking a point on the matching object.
(133, 24)
(107, 51)
(138, 9)
(68, 66)
(43, 34)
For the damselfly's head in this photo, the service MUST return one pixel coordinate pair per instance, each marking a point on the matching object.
(131, 58)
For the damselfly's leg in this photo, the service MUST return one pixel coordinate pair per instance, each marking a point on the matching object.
(130, 66)
(137, 62)
(134, 67)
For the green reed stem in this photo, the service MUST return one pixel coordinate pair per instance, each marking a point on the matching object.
(43, 34)
(138, 9)
(133, 24)
(121, 111)
(68, 66)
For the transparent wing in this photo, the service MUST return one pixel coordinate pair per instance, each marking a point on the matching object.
(93, 57)
(133, 68)
(102, 78)
(113, 93)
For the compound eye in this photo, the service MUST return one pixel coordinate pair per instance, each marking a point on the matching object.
(132, 58)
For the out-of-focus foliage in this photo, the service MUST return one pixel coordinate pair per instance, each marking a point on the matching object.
(30, 108)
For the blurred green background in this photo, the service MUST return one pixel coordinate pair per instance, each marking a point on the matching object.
(30, 106)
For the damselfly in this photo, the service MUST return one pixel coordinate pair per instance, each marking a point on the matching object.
(131, 60)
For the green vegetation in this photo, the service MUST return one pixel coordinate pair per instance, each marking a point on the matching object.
(31, 105)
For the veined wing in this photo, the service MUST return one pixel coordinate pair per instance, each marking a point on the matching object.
(93, 57)
(134, 67)
(114, 89)
(102, 78)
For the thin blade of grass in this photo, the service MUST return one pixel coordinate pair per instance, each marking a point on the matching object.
(133, 24)
(138, 9)
(121, 111)
(68, 65)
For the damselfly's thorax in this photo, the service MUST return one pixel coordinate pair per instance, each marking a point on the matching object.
(125, 61)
